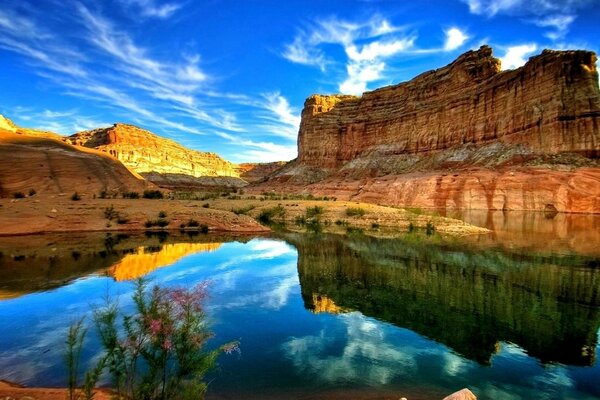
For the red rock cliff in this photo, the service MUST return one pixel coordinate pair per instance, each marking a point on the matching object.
(463, 136)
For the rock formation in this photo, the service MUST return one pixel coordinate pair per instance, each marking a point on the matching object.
(160, 160)
(257, 172)
(464, 136)
(48, 165)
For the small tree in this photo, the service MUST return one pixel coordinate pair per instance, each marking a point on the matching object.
(160, 353)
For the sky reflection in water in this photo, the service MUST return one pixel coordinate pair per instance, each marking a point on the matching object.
(315, 314)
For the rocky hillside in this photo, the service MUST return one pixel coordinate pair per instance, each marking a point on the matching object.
(464, 136)
(49, 165)
(257, 172)
(160, 160)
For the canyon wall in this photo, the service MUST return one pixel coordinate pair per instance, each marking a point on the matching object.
(463, 136)
(48, 165)
(160, 160)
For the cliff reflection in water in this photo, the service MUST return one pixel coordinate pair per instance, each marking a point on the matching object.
(469, 299)
(55, 261)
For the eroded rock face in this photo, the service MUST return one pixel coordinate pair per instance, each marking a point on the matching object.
(256, 172)
(464, 136)
(48, 165)
(159, 159)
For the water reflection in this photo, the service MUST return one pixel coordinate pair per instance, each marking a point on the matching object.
(469, 299)
(325, 313)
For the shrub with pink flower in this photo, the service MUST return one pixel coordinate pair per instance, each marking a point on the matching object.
(162, 354)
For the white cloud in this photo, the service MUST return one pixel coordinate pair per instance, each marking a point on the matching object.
(515, 56)
(556, 14)
(150, 8)
(367, 45)
(259, 151)
(454, 39)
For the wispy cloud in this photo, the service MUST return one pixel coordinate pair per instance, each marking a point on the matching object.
(259, 151)
(557, 15)
(367, 45)
(151, 8)
(62, 122)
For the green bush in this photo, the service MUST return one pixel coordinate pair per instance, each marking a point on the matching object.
(158, 352)
(429, 228)
(131, 195)
(162, 214)
(355, 212)
(153, 194)
(312, 212)
(266, 216)
(411, 227)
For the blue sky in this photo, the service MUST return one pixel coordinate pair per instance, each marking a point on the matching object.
(231, 76)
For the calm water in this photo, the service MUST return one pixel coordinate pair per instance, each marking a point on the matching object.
(324, 315)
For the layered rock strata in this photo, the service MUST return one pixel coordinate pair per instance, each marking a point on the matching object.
(47, 165)
(464, 136)
(160, 160)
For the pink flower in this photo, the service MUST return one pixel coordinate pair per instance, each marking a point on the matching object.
(167, 345)
(155, 326)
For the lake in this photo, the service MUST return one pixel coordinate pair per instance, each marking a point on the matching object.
(512, 315)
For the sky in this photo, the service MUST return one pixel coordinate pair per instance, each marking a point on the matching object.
(231, 76)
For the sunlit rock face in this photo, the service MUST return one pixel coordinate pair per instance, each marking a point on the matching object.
(143, 261)
(153, 156)
(39, 161)
(465, 136)
(470, 299)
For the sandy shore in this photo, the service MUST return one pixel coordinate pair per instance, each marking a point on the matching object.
(38, 214)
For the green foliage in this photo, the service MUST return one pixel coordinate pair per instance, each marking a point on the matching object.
(267, 215)
(162, 214)
(354, 231)
(74, 343)
(153, 194)
(75, 196)
(411, 227)
(243, 210)
(312, 212)
(131, 195)
(429, 228)
(355, 212)
(159, 352)
(18, 195)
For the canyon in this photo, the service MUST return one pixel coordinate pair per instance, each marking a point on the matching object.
(465, 136)
(37, 161)
(162, 161)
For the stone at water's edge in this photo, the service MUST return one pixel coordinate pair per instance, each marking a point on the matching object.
(464, 394)
(464, 136)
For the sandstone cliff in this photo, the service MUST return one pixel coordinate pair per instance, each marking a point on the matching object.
(464, 136)
(48, 165)
(257, 172)
(161, 161)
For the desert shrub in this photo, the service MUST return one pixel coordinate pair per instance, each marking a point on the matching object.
(122, 220)
(19, 195)
(162, 214)
(267, 215)
(411, 227)
(312, 212)
(374, 225)
(157, 352)
(153, 194)
(206, 205)
(192, 223)
(354, 231)
(429, 228)
(110, 213)
(339, 222)
(242, 210)
(32, 192)
(75, 196)
(355, 212)
(103, 194)
(203, 228)
(156, 222)
(131, 195)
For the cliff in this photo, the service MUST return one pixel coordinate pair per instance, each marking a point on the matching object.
(161, 161)
(48, 165)
(257, 172)
(463, 136)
